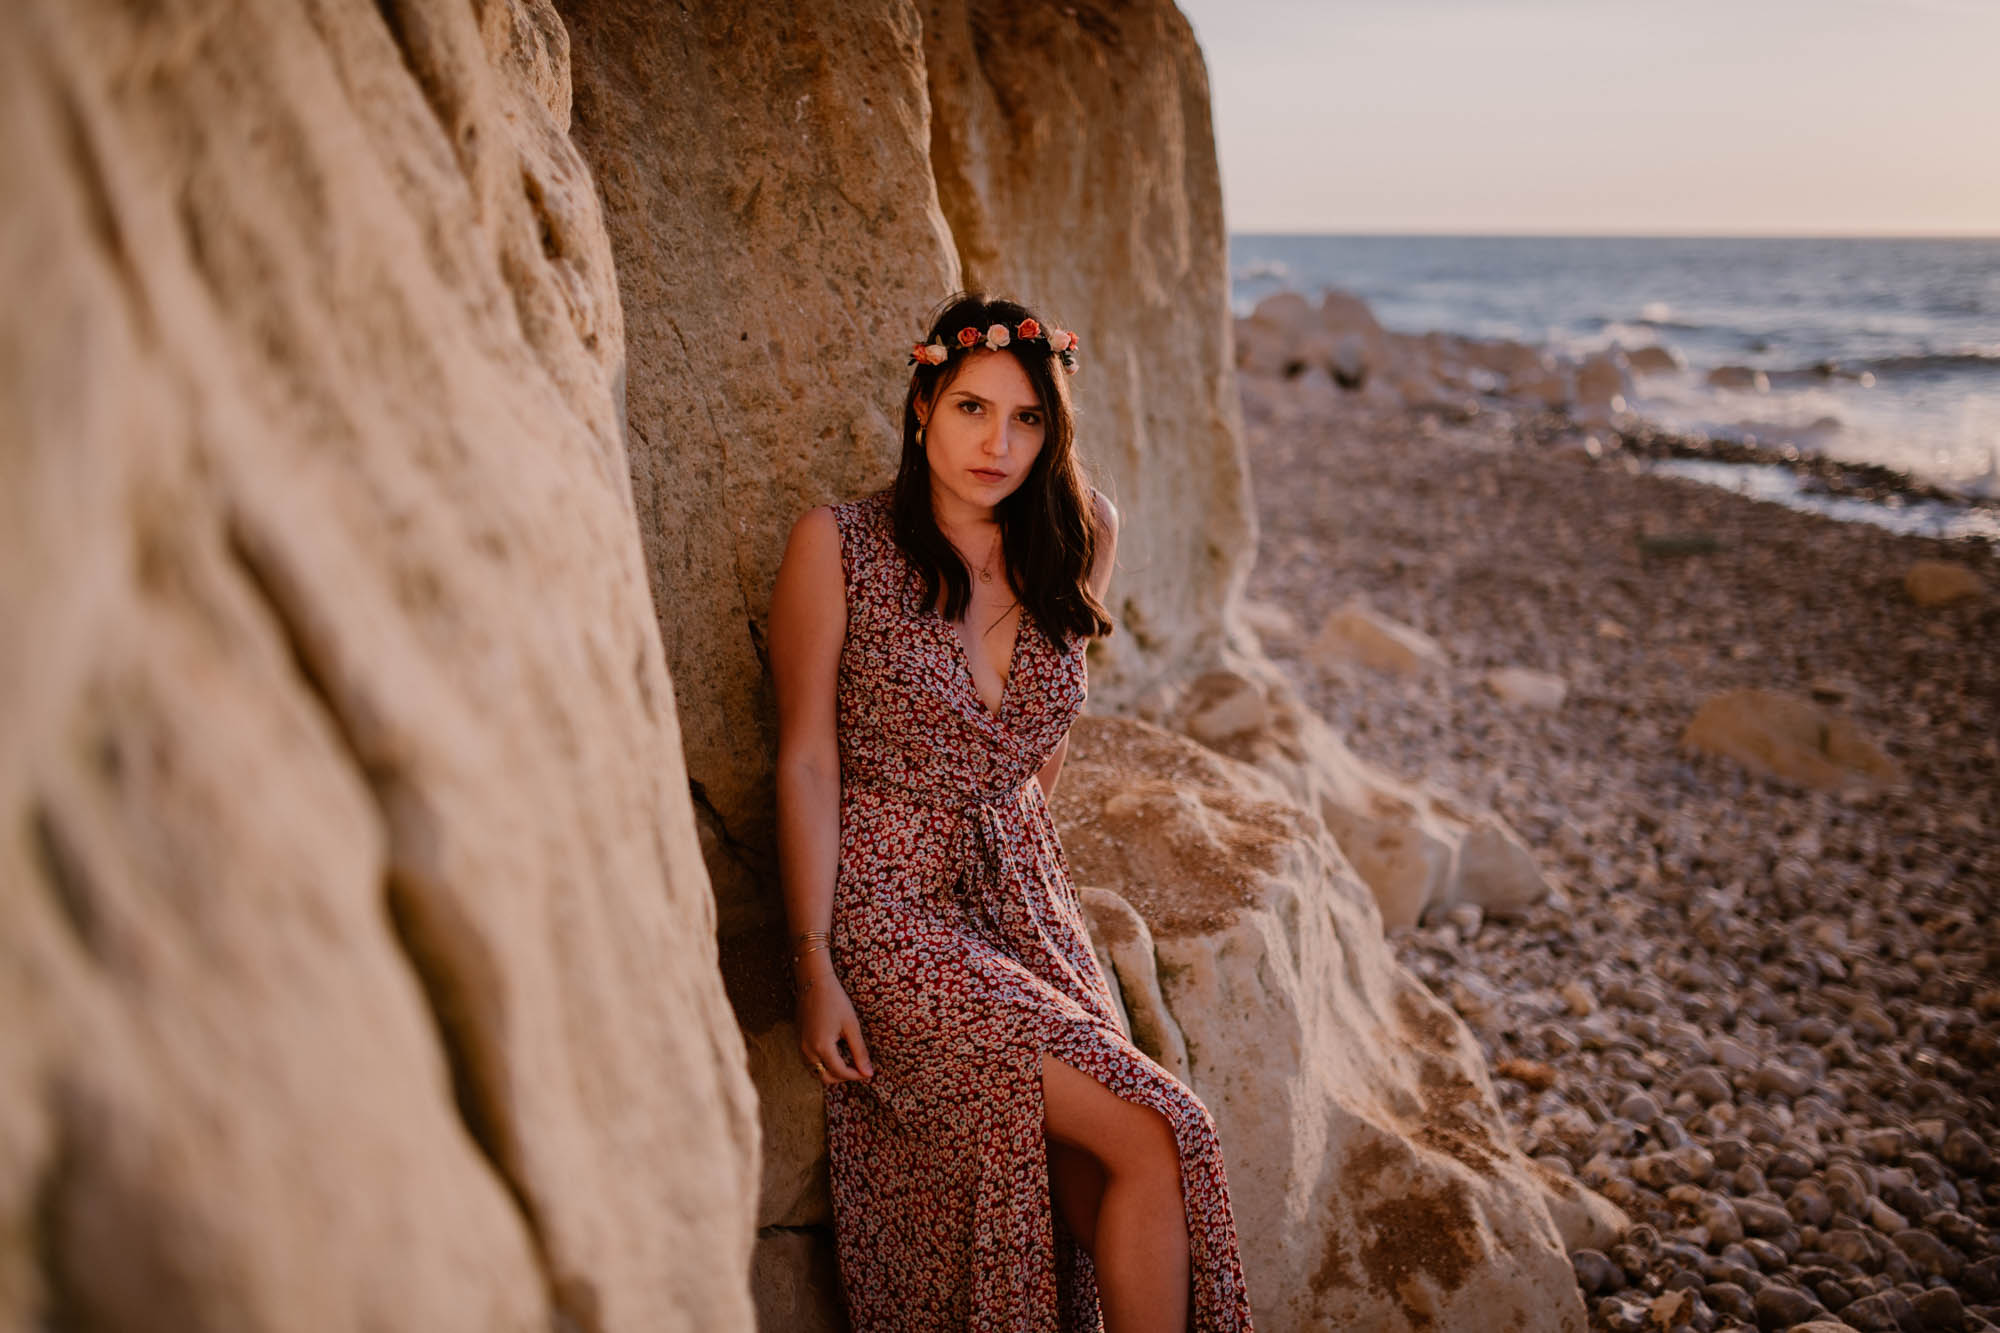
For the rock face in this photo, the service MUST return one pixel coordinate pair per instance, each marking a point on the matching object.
(1373, 1181)
(356, 952)
(1064, 136)
(773, 270)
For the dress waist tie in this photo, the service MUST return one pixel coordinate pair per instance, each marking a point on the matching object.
(979, 878)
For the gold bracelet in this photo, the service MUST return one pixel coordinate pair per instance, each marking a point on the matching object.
(808, 949)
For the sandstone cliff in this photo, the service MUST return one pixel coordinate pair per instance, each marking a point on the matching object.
(368, 368)
(356, 952)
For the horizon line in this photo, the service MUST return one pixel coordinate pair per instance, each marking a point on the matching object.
(1632, 235)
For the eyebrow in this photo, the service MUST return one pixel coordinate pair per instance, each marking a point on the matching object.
(1034, 405)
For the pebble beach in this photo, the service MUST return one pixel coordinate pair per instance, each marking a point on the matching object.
(1761, 1015)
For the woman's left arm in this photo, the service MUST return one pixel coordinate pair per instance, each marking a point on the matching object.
(1100, 581)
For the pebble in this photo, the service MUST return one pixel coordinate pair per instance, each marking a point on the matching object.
(1884, 1312)
(1940, 1308)
(1595, 1272)
(1783, 1306)
(1766, 1022)
(1709, 1085)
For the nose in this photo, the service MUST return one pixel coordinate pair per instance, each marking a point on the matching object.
(1000, 439)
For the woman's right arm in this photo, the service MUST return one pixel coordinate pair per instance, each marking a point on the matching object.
(808, 625)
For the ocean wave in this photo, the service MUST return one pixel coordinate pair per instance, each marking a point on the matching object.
(1890, 365)
(1262, 269)
(1639, 321)
(1868, 369)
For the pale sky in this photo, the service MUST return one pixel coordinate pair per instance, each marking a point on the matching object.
(1588, 117)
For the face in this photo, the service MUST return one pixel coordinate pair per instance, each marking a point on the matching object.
(984, 431)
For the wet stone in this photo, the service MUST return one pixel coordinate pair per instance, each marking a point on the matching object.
(1763, 1218)
(1595, 1272)
(1781, 1306)
(1940, 1308)
(1929, 1255)
(1729, 1298)
(1883, 1312)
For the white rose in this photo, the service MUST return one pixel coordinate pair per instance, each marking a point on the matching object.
(997, 336)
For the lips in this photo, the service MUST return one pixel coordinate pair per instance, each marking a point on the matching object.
(988, 474)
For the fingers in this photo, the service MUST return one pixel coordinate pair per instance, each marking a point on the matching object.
(837, 1067)
(827, 1062)
(823, 1054)
(831, 1065)
(852, 1031)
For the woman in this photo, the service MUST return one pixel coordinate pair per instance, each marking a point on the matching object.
(1002, 1156)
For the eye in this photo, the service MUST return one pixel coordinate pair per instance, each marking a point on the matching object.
(1031, 418)
(967, 405)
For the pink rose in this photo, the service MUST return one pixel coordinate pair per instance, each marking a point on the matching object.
(1059, 340)
(997, 336)
(935, 353)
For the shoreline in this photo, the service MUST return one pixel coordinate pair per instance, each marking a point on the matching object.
(1560, 399)
(1827, 475)
(1759, 1017)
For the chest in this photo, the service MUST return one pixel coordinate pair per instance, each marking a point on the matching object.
(989, 634)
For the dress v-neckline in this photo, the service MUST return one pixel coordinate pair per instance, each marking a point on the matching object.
(965, 661)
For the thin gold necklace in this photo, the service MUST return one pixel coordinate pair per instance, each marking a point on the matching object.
(986, 570)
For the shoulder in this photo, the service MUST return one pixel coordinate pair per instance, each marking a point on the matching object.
(838, 519)
(1105, 548)
(817, 528)
(1104, 511)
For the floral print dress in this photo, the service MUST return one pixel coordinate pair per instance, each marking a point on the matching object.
(959, 937)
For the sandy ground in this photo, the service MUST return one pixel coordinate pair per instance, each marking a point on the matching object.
(1765, 1020)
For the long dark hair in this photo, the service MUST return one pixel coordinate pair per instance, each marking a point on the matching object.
(1048, 529)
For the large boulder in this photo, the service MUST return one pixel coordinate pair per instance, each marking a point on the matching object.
(1361, 348)
(1603, 387)
(356, 952)
(1940, 582)
(1654, 359)
(1374, 1182)
(1421, 850)
(1356, 632)
(1790, 737)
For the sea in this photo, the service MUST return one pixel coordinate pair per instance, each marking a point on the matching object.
(1875, 349)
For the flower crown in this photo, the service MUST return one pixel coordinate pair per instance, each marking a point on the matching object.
(1061, 343)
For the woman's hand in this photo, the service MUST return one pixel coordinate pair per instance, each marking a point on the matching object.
(825, 1016)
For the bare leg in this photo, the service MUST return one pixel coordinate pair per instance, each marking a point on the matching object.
(1140, 1245)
